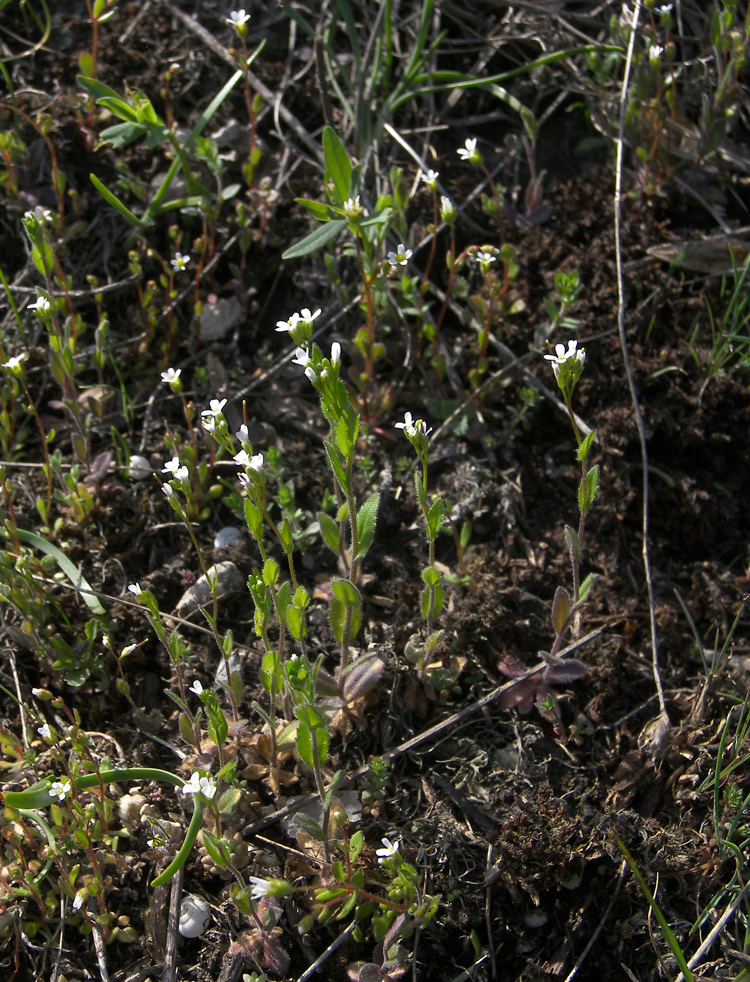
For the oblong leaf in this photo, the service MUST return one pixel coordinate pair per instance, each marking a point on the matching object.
(367, 518)
(316, 240)
(338, 165)
(113, 200)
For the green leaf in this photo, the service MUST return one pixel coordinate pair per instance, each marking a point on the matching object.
(356, 845)
(294, 621)
(592, 486)
(305, 746)
(431, 576)
(74, 574)
(573, 543)
(367, 518)
(271, 673)
(254, 520)
(321, 735)
(435, 517)
(310, 826)
(347, 907)
(583, 450)
(114, 201)
(122, 134)
(270, 572)
(585, 588)
(119, 107)
(338, 464)
(317, 208)
(668, 934)
(96, 89)
(158, 135)
(345, 597)
(347, 430)
(309, 716)
(330, 532)
(332, 788)
(285, 534)
(213, 846)
(316, 240)
(346, 592)
(338, 167)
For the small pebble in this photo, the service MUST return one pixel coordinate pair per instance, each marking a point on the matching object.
(139, 468)
(535, 918)
(226, 536)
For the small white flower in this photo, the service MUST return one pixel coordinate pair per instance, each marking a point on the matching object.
(243, 434)
(209, 424)
(301, 357)
(563, 355)
(335, 353)
(289, 324)
(180, 262)
(654, 53)
(78, 899)
(237, 18)
(168, 491)
(216, 406)
(178, 471)
(196, 687)
(352, 208)
(41, 214)
(171, 375)
(485, 258)
(407, 426)
(256, 463)
(61, 789)
(242, 459)
(665, 9)
(401, 256)
(128, 650)
(430, 179)
(388, 851)
(13, 364)
(135, 588)
(261, 887)
(412, 427)
(200, 785)
(307, 317)
(41, 304)
(37, 692)
(311, 374)
(45, 732)
(469, 152)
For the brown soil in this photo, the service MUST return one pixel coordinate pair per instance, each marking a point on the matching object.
(515, 824)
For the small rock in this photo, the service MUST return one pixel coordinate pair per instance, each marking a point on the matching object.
(228, 580)
(218, 319)
(139, 468)
(226, 536)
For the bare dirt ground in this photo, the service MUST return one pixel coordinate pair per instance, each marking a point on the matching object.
(513, 822)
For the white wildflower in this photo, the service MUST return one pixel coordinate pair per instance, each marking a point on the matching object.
(401, 256)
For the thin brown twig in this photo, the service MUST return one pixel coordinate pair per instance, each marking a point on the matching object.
(173, 924)
(661, 733)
